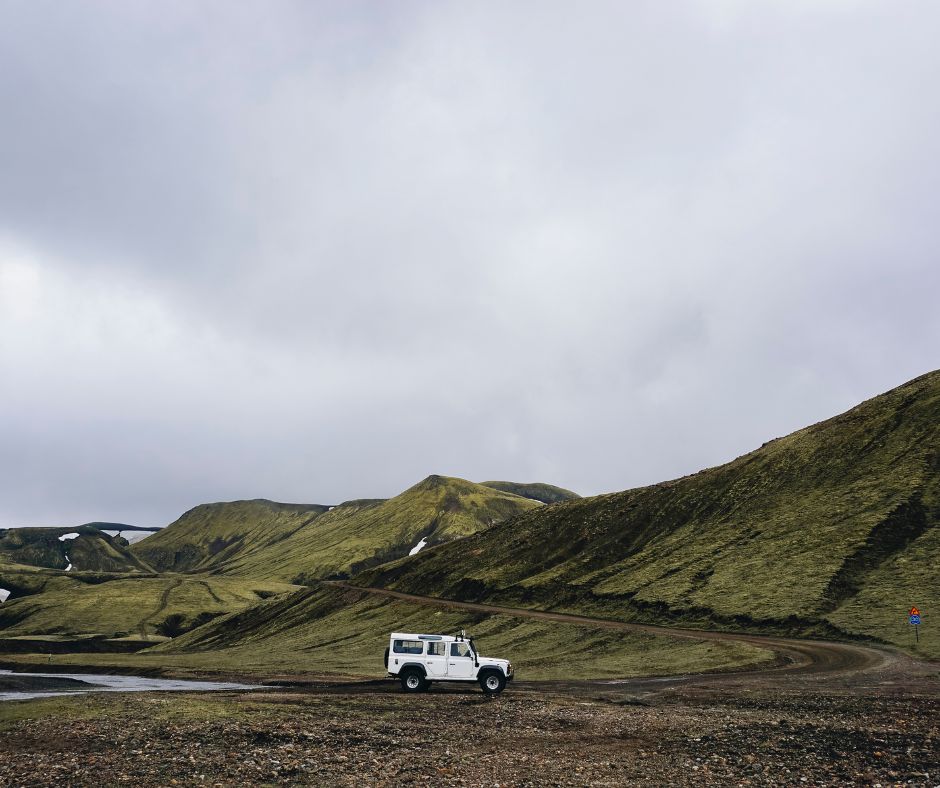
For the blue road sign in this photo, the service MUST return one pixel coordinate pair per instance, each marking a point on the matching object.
(915, 621)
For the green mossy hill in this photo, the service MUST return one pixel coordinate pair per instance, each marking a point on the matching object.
(212, 534)
(332, 630)
(360, 534)
(544, 493)
(93, 550)
(296, 543)
(830, 530)
(21, 580)
(117, 606)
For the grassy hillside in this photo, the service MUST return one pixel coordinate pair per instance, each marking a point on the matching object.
(545, 493)
(92, 550)
(334, 631)
(283, 542)
(832, 528)
(213, 533)
(249, 547)
(358, 535)
(23, 580)
(117, 606)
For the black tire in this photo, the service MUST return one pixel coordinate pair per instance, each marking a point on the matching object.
(493, 682)
(386, 657)
(412, 681)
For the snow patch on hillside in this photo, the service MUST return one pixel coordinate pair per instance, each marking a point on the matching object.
(417, 547)
(130, 536)
(4, 595)
(66, 537)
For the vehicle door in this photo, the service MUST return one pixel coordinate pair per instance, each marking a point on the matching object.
(435, 659)
(460, 661)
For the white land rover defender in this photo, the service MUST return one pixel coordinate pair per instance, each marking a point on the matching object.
(418, 660)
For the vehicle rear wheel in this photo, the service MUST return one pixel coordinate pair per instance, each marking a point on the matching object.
(412, 681)
(493, 682)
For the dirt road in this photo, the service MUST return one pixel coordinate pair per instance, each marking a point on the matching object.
(821, 663)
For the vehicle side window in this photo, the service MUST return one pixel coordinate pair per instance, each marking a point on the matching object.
(459, 650)
(437, 649)
(408, 647)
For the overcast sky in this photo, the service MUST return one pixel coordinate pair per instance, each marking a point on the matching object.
(315, 251)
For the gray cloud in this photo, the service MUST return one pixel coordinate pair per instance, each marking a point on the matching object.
(314, 251)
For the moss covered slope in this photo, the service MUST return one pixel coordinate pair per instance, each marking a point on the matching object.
(115, 605)
(92, 550)
(831, 528)
(360, 534)
(296, 543)
(211, 534)
(336, 630)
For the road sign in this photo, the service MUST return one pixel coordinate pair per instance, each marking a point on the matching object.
(915, 620)
(915, 611)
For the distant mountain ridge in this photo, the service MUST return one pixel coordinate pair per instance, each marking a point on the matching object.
(299, 542)
(537, 491)
(49, 548)
(231, 554)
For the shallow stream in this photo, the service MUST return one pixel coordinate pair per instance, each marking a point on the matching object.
(106, 683)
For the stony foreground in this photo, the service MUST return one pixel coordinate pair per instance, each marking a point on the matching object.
(525, 737)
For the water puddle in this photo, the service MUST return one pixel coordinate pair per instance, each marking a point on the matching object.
(106, 683)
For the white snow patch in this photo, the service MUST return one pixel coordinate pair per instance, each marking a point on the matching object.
(417, 547)
(130, 536)
(4, 595)
(69, 567)
(66, 537)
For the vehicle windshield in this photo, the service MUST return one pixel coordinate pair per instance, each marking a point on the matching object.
(460, 649)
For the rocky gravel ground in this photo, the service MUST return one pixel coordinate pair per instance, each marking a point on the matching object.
(452, 737)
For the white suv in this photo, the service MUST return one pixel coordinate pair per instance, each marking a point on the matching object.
(417, 660)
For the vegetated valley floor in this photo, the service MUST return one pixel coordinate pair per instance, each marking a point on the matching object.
(837, 714)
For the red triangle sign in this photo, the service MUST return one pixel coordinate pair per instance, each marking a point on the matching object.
(915, 611)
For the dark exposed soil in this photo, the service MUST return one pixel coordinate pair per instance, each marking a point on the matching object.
(17, 683)
(693, 736)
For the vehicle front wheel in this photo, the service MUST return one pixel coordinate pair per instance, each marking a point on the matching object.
(413, 681)
(493, 682)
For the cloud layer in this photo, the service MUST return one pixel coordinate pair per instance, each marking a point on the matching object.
(315, 251)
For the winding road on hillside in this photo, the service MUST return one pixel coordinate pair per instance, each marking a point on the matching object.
(850, 667)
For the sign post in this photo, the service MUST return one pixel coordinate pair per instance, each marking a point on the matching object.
(914, 621)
